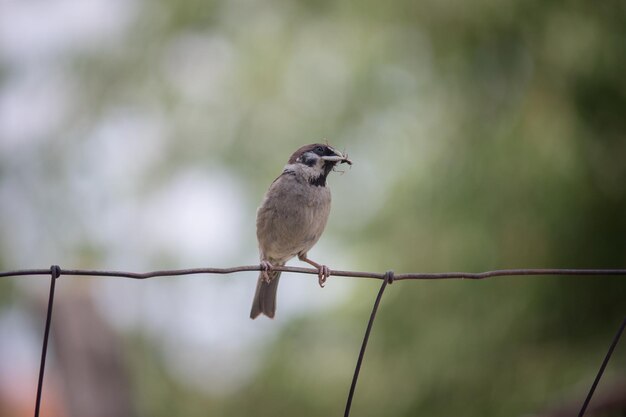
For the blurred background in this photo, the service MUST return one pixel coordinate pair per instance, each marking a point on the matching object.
(142, 135)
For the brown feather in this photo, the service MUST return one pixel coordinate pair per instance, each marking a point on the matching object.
(302, 150)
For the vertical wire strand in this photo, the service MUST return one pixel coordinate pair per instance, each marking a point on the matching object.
(602, 367)
(55, 271)
(387, 280)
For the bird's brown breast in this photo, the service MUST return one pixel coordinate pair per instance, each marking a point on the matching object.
(291, 218)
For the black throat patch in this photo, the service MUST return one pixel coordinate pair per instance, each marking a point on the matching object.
(319, 181)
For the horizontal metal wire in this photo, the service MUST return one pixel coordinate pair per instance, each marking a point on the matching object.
(353, 274)
(388, 278)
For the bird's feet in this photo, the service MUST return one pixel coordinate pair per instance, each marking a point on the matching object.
(323, 274)
(266, 268)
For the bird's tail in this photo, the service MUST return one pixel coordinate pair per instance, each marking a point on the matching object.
(265, 296)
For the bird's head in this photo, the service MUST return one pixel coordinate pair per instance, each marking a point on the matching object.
(315, 162)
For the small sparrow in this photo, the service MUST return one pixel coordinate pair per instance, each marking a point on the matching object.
(292, 217)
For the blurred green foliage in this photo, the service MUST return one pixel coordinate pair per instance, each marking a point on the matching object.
(498, 132)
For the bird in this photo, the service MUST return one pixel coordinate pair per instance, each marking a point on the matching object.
(292, 217)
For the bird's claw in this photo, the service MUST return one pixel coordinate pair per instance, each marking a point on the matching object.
(266, 268)
(323, 274)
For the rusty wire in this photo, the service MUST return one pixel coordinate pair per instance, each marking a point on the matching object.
(336, 273)
(605, 361)
(388, 277)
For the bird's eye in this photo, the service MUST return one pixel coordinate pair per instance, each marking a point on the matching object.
(319, 149)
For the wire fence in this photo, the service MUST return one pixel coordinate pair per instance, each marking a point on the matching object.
(388, 278)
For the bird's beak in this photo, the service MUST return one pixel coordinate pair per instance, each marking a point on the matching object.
(338, 157)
